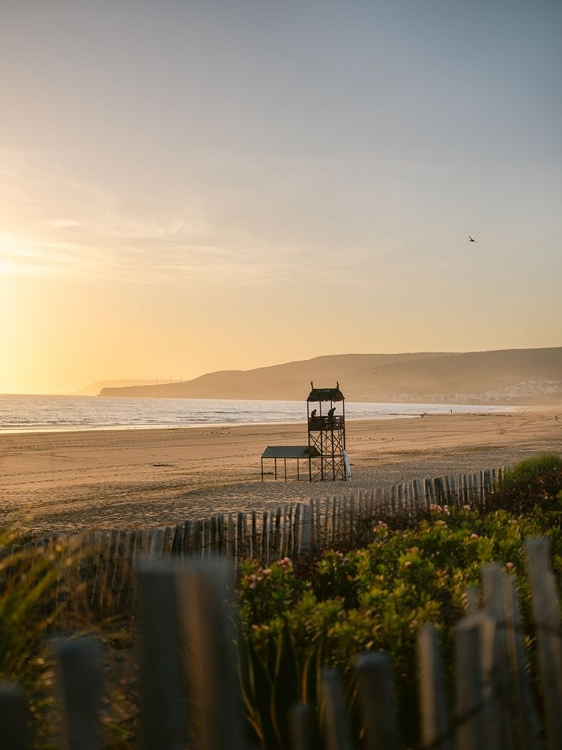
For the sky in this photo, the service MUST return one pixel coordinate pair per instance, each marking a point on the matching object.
(192, 186)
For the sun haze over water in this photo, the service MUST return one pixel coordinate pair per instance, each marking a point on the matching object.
(191, 187)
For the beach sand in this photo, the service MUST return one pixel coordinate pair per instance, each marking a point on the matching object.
(131, 479)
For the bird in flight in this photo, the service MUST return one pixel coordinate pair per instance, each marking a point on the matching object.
(471, 239)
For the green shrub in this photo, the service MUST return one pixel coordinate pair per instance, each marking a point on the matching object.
(295, 621)
(535, 481)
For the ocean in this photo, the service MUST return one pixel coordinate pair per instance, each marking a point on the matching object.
(46, 413)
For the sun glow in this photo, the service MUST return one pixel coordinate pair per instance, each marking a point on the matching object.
(26, 256)
(142, 238)
(14, 255)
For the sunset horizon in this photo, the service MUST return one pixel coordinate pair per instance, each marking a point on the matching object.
(280, 371)
(191, 189)
(87, 387)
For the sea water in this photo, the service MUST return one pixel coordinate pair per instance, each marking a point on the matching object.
(44, 413)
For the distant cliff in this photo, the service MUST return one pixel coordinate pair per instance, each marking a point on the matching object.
(94, 388)
(511, 376)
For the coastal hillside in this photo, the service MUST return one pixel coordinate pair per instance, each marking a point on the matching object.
(511, 376)
(94, 388)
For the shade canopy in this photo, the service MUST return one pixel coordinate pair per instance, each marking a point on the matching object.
(289, 451)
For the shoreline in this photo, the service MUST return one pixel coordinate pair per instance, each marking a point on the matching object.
(61, 481)
(150, 428)
(40, 415)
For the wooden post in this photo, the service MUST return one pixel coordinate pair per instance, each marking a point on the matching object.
(79, 679)
(340, 519)
(489, 667)
(208, 640)
(156, 543)
(463, 490)
(254, 539)
(547, 622)
(197, 543)
(500, 723)
(429, 492)
(177, 540)
(265, 537)
(295, 547)
(332, 521)
(400, 498)
(483, 488)
(144, 546)
(186, 540)
(394, 499)
(206, 535)
(306, 528)
(167, 542)
(276, 544)
(374, 678)
(314, 515)
(326, 521)
(13, 717)
(435, 723)
(336, 734)
(238, 550)
(289, 530)
(126, 584)
(523, 707)
(419, 495)
(213, 535)
(98, 567)
(439, 485)
(470, 701)
(230, 529)
(473, 489)
(163, 720)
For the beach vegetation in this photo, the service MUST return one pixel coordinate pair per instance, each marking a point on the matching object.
(531, 482)
(32, 610)
(328, 610)
(295, 617)
(41, 600)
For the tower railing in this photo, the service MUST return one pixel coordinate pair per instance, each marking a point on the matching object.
(318, 424)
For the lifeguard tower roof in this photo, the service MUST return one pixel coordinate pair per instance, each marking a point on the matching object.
(289, 451)
(325, 394)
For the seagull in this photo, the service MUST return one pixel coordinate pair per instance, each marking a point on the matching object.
(471, 239)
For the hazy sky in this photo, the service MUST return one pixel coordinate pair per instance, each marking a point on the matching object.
(193, 186)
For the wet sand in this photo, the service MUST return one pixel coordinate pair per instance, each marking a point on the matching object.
(125, 479)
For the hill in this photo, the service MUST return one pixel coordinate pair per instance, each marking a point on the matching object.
(511, 376)
(94, 388)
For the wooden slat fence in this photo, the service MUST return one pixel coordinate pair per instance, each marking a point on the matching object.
(105, 561)
(188, 639)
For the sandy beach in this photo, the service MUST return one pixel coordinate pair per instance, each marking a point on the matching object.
(125, 479)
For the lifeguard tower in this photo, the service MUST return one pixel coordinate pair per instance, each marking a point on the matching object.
(326, 435)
